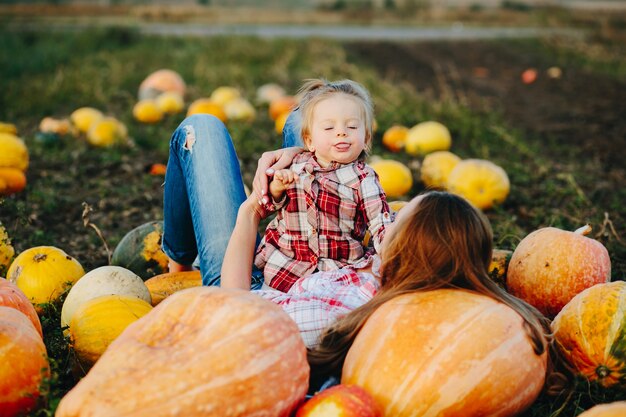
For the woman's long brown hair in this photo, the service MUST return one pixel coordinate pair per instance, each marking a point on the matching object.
(444, 243)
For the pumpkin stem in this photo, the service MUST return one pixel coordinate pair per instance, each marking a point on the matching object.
(40, 257)
(585, 230)
(602, 371)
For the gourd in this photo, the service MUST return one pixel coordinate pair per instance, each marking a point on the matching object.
(280, 105)
(614, 409)
(447, 352)
(394, 138)
(147, 111)
(207, 106)
(99, 321)
(341, 401)
(105, 280)
(590, 333)
(170, 102)
(436, 168)
(427, 137)
(106, 132)
(215, 352)
(550, 266)
(6, 250)
(164, 285)
(394, 176)
(140, 251)
(84, 117)
(23, 363)
(43, 273)
(225, 94)
(13, 152)
(267, 93)
(239, 109)
(160, 82)
(482, 182)
(11, 296)
(12, 180)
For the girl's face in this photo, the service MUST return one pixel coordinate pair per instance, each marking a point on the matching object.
(398, 223)
(337, 130)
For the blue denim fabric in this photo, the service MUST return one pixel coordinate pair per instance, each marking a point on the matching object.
(203, 191)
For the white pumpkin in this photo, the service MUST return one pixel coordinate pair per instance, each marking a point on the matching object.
(105, 280)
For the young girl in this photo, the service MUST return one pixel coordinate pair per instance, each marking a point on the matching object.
(328, 198)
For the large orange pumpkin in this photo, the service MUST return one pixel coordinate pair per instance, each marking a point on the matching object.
(590, 332)
(202, 351)
(446, 353)
(550, 266)
(11, 296)
(23, 363)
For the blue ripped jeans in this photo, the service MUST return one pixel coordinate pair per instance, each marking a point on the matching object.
(203, 192)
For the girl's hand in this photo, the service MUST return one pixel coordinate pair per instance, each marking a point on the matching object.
(282, 179)
(269, 163)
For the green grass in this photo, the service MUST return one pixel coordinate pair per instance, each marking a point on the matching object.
(54, 74)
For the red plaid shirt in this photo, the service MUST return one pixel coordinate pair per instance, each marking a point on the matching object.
(316, 301)
(322, 220)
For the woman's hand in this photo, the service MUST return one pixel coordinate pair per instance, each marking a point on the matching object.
(269, 163)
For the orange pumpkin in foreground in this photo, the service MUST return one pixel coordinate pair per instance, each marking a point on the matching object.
(550, 266)
(446, 353)
(23, 363)
(11, 296)
(202, 351)
(590, 332)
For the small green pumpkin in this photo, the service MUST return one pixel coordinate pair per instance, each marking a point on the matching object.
(140, 251)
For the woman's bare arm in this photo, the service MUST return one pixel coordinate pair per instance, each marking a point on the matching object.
(237, 264)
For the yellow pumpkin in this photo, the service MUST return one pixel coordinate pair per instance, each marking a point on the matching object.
(239, 109)
(394, 176)
(218, 352)
(105, 280)
(106, 132)
(160, 82)
(590, 333)
(446, 352)
(225, 94)
(499, 265)
(147, 111)
(436, 168)
(6, 250)
(279, 123)
(12, 180)
(614, 409)
(164, 285)
(13, 152)
(394, 138)
(84, 117)
(482, 182)
(207, 106)
(8, 128)
(427, 137)
(43, 273)
(99, 321)
(170, 102)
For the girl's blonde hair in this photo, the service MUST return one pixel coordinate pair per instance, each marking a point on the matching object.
(444, 243)
(315, 90)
